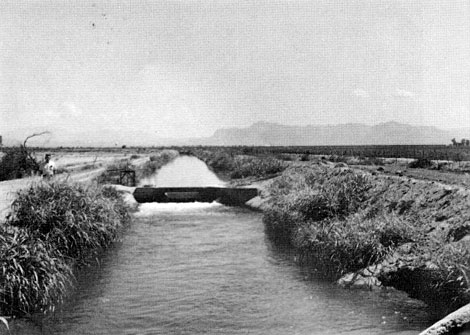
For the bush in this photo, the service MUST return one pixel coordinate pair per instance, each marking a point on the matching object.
(304, 196)
(328, 193)
(17, 163)
(420, 163)
(75, 220)
(305, 158)
(53, 227)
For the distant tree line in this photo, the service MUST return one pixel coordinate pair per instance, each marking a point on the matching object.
(463, 143)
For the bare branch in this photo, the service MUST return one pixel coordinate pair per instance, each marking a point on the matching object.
(29, 153)
(35, 135)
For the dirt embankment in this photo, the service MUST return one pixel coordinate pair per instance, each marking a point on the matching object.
(432, 265)
(441, 214)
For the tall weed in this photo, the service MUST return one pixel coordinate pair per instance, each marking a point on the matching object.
(321, 212)
(52, 228)
(34, 276)
(73, 219)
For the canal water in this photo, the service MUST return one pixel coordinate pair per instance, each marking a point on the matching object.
(209, 269)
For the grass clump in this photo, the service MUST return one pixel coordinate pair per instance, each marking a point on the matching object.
(75, 220)
(34, 277)
(52, 228)
(337, 247)
(322, 214)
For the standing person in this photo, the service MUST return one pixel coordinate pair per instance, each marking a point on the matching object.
(48, 168)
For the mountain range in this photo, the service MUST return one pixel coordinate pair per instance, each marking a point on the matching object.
(262, 134)
(389, 133)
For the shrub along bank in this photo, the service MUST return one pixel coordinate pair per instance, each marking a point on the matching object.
(236, 166)
(52, 229)
(156, 162)
(407, 234)
(17, 162)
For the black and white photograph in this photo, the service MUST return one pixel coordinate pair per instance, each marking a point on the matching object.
(265, 167)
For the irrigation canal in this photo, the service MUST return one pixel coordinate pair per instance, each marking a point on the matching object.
(209, 269)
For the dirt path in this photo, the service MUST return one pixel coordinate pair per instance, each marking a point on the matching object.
(75, 167)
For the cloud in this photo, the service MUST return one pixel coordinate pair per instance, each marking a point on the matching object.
(72, 110)
(359, 92)
(399, 93)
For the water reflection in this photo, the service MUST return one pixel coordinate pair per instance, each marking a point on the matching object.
(184, 171)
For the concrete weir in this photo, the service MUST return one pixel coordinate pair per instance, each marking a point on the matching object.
(226, 196)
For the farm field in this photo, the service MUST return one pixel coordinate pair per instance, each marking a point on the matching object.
(391, 160)
(432, 152)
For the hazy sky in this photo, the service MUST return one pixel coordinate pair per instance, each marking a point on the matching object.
(186, 68)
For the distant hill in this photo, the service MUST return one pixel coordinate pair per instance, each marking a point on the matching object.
(389, 133)
(260, 133)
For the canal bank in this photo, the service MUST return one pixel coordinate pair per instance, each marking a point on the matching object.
(209, 269)
(424, 224)
(51, 229)
(372, 312)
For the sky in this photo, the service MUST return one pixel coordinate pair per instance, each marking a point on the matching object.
(187, 68)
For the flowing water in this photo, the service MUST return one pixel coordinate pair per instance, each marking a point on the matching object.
(209, 269)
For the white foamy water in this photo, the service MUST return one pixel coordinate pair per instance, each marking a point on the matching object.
(152, 208)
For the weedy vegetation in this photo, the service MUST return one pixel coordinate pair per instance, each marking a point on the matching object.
(17, 162)
(340, 221)
(155, 163)
(52, 229)
(314, 212)
(237, 165)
